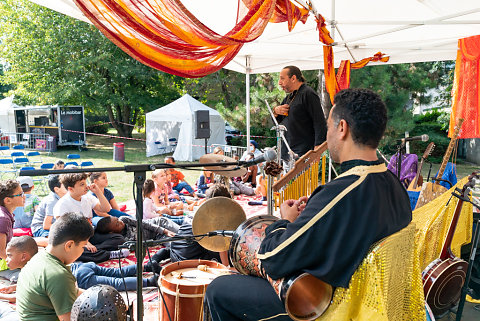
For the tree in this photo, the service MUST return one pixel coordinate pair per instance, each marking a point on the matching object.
(55, 59)
(4, 88)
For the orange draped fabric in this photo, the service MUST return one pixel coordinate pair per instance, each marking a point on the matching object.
(466, 88)
(285, 11)
(336, 82)
(164, 35)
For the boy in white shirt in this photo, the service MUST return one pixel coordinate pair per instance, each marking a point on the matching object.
(78, 199)
(99, 248)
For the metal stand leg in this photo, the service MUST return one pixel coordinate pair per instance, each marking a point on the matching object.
(473, 251)
(270, 202)
(139, 180)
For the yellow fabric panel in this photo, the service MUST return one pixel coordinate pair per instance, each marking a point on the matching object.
(3, 265)
(433, 220)
(387, 285)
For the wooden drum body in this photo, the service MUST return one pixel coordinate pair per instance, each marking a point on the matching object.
(305, 297)
(184, 293)
(442, 283)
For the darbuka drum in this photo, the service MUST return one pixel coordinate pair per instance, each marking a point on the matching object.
(305, 297)
(183, 286)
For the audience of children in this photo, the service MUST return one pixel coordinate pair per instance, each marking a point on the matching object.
(163, 196)
(11, 197)
(189, 249)
(46, 288)
(43, 217)
(100, 179)
(24, 214)
(150, 210)
(177, 178)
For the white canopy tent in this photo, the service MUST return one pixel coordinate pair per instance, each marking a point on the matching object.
(177, 121)
(7, 115)
(406, 31)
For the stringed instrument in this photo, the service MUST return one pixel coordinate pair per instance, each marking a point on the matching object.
(443, 279)
(415, 184)
(431, 191)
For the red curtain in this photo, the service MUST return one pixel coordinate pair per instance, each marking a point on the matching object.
(164, 35)
(466, 92)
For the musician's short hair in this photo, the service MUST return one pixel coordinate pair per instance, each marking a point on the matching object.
(294, 70)
(365, 113)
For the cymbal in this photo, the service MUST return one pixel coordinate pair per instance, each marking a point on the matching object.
(218, 213)
(229, 170)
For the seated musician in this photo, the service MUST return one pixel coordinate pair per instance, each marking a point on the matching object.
(330, 235)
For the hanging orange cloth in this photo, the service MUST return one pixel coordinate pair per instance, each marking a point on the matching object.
(336, 82)
(285, 11)
(466, 90)
(164, 35)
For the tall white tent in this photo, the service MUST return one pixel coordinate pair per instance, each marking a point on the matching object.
(177, 121)
(7, 115)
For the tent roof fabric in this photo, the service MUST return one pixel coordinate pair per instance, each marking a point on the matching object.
(181, 109)
(407, 31)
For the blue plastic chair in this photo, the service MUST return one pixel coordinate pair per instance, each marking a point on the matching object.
(34, 155)
(6, 167)
(17, 154)
(47, 166)
(19, 147)
(20, 162)
(73, 156)
(27, 168)
(4, 148)
(71, 163)
(86, 164)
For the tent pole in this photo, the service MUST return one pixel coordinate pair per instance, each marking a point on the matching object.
(247, 103)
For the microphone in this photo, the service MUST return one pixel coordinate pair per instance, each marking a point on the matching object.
(423, 138)
(222, 233)
(268, 156)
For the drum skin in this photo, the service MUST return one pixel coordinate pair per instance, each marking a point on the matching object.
(442, 283)
(184, 302)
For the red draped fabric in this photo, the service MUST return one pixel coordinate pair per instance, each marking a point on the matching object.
(164, 35)
(466, 88)
(341, 80)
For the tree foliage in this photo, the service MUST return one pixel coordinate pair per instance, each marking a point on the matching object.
(55, 59)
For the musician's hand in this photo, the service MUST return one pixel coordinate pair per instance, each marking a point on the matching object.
(168, 233)
(282, 110)
(302, 202)
(289, 210)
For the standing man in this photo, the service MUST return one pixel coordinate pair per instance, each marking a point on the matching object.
(330, 235)
(301, 113)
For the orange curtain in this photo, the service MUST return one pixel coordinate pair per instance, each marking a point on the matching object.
(341, 80)
(466, 91)
(164, 35)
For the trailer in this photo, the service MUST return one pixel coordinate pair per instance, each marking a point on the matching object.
(66, 124)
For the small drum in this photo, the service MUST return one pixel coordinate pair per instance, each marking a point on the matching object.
(183, 286)
(305, 297)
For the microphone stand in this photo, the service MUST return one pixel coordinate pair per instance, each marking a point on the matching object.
(139, 174)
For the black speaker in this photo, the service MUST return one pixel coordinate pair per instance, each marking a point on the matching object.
(202, 124)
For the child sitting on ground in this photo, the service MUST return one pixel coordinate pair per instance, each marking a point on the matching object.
(163, 196)
(205, 181)
(11, 197)
(101, 180)
(19, 251)
(59, 164)
(24, 214)
(46, 288)
(77, 200)
(152, 211)
(177, 178)
(43, 217)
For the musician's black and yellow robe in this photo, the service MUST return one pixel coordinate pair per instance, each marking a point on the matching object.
(329, 240)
